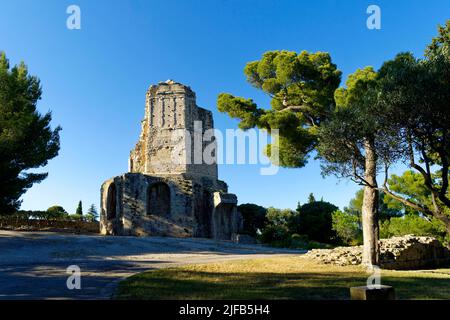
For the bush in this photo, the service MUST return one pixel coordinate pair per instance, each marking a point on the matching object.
(294, 229)
(299, 237)
(276, 231)
(318, 245)
(273, 233)
(315, 221)
(279, 217)
(347, 227)
(90, 217)
(56, 212)
(299, 241)
(75, 217)
(254, 218)
(27, 215)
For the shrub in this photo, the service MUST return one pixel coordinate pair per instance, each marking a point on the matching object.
(315, 221)
(299, 237)
(299, 241)
(275, 233)
(318, 245)
(75, 217)
(56, 212)
(279, 217)
(254, 218)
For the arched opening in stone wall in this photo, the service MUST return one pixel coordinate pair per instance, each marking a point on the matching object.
(158, 199)
(111, 204)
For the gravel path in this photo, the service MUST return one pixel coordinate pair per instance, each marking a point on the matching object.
(33, 264)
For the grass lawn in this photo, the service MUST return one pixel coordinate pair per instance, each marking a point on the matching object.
(276, 278)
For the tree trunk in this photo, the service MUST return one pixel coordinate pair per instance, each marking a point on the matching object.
(371, 251)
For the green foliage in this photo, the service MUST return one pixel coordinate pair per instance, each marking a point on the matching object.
(92, 213)
(440, 45)
(347, 226)
(53, 213)
(254, 218)
(301, 88)
(388, 207)
(355, 124)
(56, 212)
(32, 214)
(293, 79)
(411, 186)
(26, 139)
(286, 228)
(311, 198)
(279, 217)
(244, 109)
(75, 217)
(416, 96)
(79, 209)
(315, 221)
(276, 235)
(318, 245)
(355, 204)
(357, 86)
(412, 224)
(276, 231)
(396, 219)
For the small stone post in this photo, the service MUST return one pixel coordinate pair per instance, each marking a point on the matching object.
(381, 292)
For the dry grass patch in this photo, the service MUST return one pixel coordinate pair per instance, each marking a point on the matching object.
(276, 278)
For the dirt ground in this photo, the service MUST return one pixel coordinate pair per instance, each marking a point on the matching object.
(33, 264)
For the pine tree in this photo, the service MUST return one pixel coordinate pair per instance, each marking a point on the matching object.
(92, 213)
(26, 138)
(79, 209)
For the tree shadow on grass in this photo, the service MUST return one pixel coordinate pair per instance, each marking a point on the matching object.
(179, 284)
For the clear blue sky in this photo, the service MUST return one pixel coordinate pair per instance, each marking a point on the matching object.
(94, 79)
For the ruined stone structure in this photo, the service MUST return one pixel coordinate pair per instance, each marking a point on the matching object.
(398, 253)
(170, 190)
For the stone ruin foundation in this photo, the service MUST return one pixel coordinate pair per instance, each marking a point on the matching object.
(166, 192)
(397, 253)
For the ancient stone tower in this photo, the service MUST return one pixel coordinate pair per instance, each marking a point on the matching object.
(166, 145)
(170, 190)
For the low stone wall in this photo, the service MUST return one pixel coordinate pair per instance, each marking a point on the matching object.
(399, 253)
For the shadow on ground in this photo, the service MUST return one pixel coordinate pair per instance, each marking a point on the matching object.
(33, 264)
(181, 284)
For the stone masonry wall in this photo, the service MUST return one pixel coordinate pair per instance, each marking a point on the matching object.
(169, 191)
(191, 210)
(399, 253)
(166, 143)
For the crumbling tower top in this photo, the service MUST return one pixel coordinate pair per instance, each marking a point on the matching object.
(166, 144)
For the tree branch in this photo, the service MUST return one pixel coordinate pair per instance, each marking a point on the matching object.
(425, 210)
(304, 110)
(360, 180)
(407, 202)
